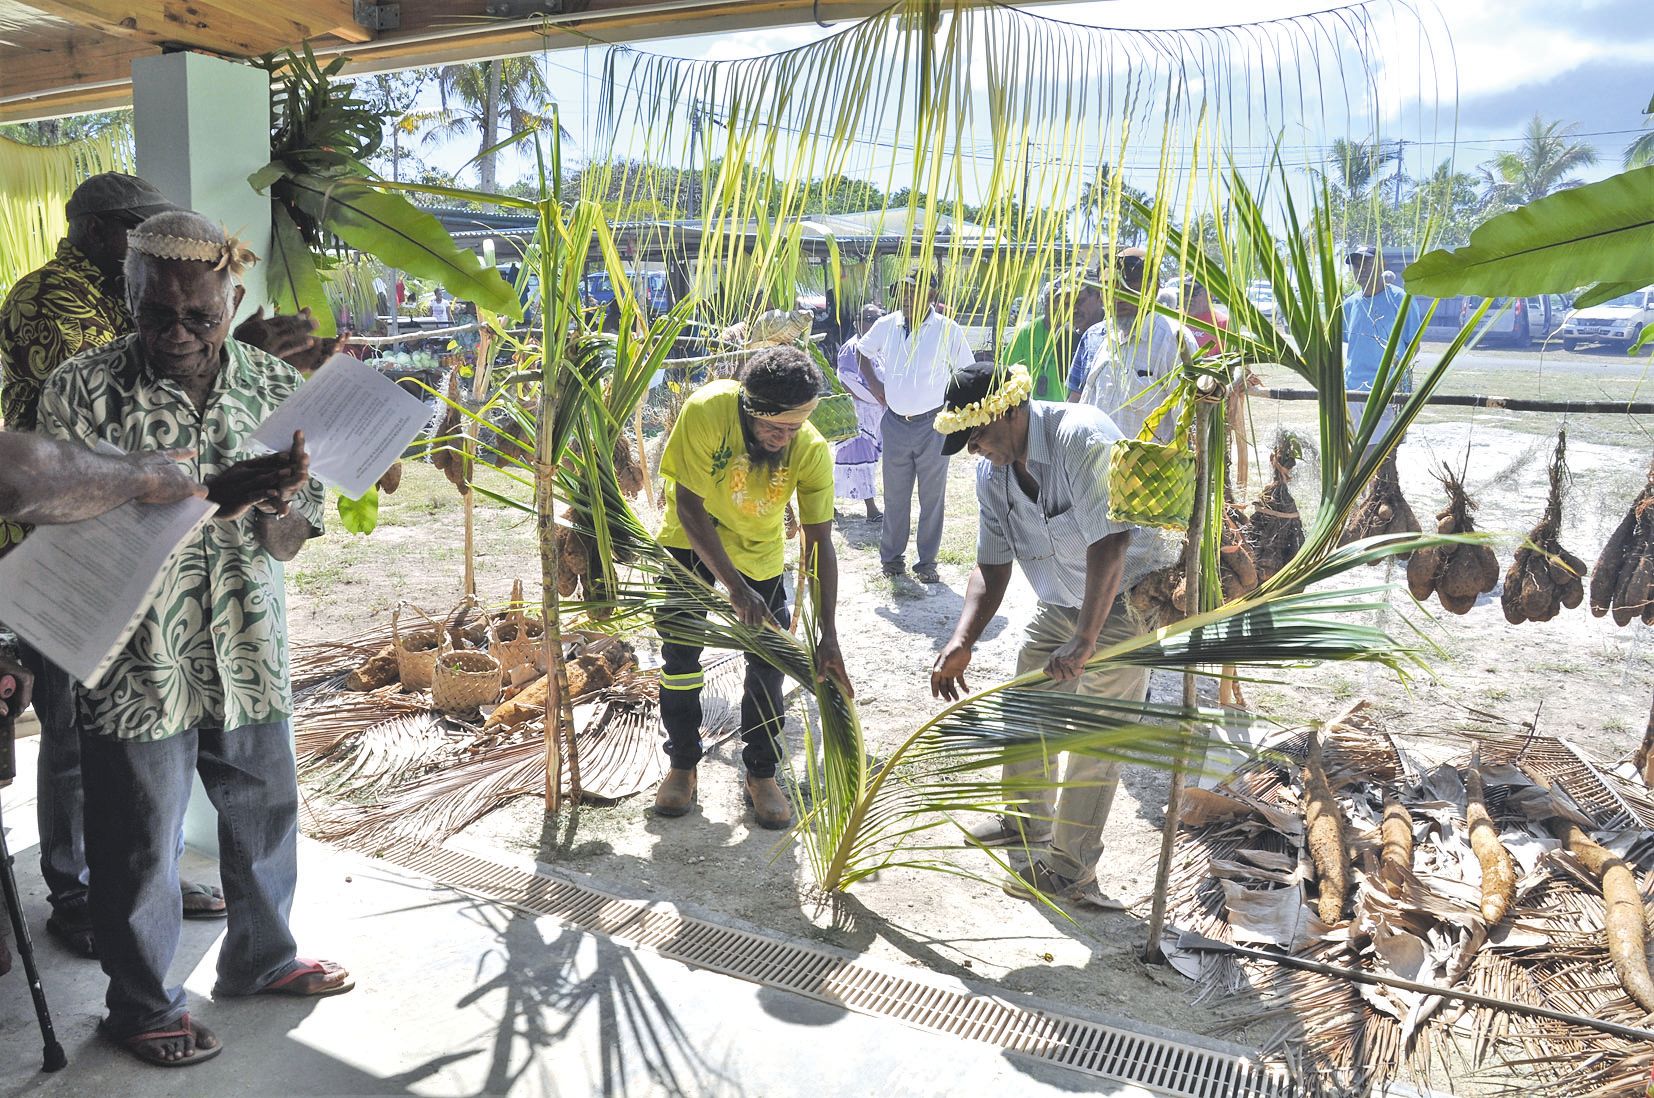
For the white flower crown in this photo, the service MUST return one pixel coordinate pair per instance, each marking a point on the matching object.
(1017, 388)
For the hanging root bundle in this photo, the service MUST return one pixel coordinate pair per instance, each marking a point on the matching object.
(1151, 597)
(1545, 577)
(1498, 869)
(1324, 835)
(1455, 574)
(577, 558)
(392, 480)
(1623, 580)
(1382, 510)
(449, 455)
(628, 472)
(1396, 831)
(1276, 530)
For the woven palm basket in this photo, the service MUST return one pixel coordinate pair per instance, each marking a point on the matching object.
(462, 681)
(416, 653)
(1151, 484)
(835, 417)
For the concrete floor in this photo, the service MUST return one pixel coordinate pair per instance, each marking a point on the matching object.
(457, 996)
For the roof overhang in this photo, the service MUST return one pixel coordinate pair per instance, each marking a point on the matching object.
(61, 57)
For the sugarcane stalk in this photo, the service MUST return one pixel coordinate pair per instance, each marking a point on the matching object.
(1194, 583)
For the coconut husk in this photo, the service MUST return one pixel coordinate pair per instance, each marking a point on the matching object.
(1276, 529)
(1383, 509)
(1455, 574)
(1544, 577)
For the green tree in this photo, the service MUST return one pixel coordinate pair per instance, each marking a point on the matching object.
(478, 98)
(1545, 162)
(1441, 208)
(63, 131)
(1640, 153)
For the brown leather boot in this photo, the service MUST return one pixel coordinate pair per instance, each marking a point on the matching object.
(676, 795)
(769, 804)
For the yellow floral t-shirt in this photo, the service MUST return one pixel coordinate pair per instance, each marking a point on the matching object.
(708, 455)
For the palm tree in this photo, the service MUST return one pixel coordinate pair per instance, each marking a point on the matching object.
(1355, 167)
(479, 96)
(1546, 161)
(1640, 153)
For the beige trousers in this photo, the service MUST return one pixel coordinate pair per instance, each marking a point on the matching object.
(1080, 808)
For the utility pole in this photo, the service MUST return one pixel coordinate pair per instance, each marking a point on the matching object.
(1401, 145)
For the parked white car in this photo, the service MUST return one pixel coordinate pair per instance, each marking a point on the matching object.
(1614, 323)
(1520, 320)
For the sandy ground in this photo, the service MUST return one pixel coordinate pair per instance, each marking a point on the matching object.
(1584, 678)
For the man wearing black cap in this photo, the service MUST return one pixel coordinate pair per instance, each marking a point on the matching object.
(73, 304)
(1370, 315)
(918, 350)
(1042, 491)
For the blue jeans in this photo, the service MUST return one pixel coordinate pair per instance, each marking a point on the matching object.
(139, 791)
(58, 797)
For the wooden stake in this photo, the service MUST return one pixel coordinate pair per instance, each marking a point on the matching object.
(1193, 582)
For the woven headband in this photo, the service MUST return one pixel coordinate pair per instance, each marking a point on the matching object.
(795, 416)
(231, 255)
(1016, 389)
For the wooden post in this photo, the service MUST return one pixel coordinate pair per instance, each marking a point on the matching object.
(643, 454)
(1194, 582)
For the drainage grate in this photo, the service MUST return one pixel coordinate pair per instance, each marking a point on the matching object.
(1172, 1066)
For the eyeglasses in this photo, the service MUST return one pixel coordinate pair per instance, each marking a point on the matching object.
(197, 323)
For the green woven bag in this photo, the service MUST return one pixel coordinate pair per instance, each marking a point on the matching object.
(1151, 483)
(835, 417)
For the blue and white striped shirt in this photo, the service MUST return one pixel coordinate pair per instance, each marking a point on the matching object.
(1068, 450)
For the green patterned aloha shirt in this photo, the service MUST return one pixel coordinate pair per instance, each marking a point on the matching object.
(51, 315)
(212, 649)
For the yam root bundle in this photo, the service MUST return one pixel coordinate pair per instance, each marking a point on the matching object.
(1276, 530)
(1544, 577)
(449, 455)
(1382, 510)
(378, 670)
(597, 667)
(1329, 850)
(1498, 869)
(1455, 574)
(1623, 581)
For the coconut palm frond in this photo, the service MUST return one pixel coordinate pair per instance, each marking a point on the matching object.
(35, 184)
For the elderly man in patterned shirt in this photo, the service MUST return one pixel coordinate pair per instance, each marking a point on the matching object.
(75, 303)
(1042, 490)
(202, 686)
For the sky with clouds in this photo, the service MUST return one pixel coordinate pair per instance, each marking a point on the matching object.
(1589, 62)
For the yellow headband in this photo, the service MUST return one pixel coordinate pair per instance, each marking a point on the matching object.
(787, 417)
(1017, 388)
(231, 255)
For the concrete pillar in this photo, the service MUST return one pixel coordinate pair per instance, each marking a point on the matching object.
(202, 126)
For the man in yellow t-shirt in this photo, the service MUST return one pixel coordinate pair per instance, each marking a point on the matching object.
(738, 453)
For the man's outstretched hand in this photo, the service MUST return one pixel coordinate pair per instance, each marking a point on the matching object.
(830, 662)
(947, 675)
(290, 337)
(268, 482)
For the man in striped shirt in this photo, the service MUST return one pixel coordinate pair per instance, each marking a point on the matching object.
(1042, 490)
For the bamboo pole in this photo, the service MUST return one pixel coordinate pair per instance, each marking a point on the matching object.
(1194, 582)
(643, 455)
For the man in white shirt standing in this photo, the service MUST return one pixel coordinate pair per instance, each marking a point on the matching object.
(440, 310)
(1120, 359)
(918, 350)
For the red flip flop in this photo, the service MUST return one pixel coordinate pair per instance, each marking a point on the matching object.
(186, 1028)
(289, 984)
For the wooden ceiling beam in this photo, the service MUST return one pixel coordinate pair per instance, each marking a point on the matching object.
(214, 26)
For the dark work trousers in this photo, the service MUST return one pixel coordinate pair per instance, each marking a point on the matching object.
(681, 682)
(58, 797)
(139, 790)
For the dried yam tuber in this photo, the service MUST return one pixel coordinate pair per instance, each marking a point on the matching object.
(529, 704)
(1624, 919)
(1623, 580)
(1325, 837)
(1544, 577)
(378, 670)
(1498, 869)
(628, 474)
(1396, 831)
(1276, 530)
(1382, 510)
(1455, 574)
(448, 454)
(392, 480)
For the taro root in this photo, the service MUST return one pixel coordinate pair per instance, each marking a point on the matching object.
(1623, 580)
(1544, 577)
(1382, 510)
(1455, 573)
(1276, 530)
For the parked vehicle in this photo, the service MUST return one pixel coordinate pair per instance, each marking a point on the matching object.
(1615, 323)
(1262, 296)
(1518, 321)
(657, 296)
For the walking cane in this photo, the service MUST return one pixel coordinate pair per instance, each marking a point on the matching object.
(54, 1059)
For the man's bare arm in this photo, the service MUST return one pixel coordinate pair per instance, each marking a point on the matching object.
(870, 377)
(44, 481)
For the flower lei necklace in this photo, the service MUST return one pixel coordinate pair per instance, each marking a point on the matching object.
(1017, 388)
